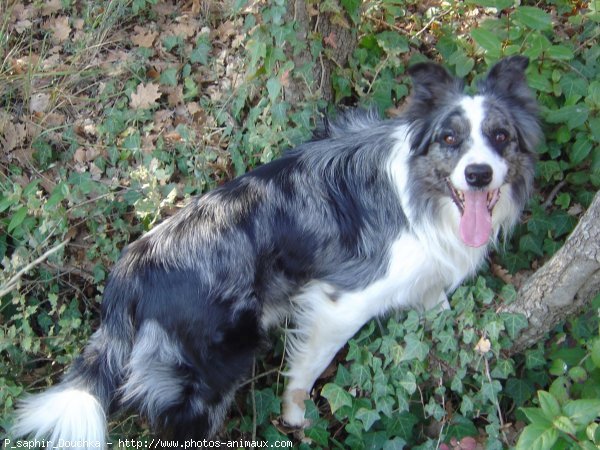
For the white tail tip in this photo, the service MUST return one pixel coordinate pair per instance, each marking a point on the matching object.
(66, 417)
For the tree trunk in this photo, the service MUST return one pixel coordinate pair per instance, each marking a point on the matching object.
(565, 285)
(338, 39)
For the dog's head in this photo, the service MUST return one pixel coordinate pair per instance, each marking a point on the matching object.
(476, 151)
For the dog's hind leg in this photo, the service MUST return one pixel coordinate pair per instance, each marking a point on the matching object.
(184, 388)
(324, 325)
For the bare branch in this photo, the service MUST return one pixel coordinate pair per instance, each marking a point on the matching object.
(12, 283)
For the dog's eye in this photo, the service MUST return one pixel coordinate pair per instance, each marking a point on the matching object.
(500, 136)
(449, 139)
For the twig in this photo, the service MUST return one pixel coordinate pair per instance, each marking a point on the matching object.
(489, 377)
(553, 194)
(253, 394)
(433, 19)
(12, 283)
(285, 352)
(380, 67)
(258, 377)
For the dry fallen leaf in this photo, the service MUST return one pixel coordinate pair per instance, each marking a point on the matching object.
(60, 28)
(39, 102)
(145, 96)
(22, 25)
(184, 26)
(483, 346)
(50, 7)
(143, 38)
(193, 108)
(175, 95)
(12, 136)
(502, 273)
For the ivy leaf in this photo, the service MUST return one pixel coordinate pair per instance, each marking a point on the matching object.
(412, 322)
(318, 434)
(514, 323)
(392, 42)
(273, 88)
(519, 390)
(549, 169)
(562, 223)
(352, 7)
(385, 405)
(275, 438)
(395, 444)
(362, 376)
(168, 77)
(336, 396)
(257, 50)
(466, 405)
(460, 427)
(494, 328)
(490, 391)
(539, 223)
(368, 417)
(503, 369)
(534, 358)
(414, 349)
(400, 425)
(528, 243)
(457, 383)
(343, 377)
(266, 403)
(447, 342)
(409, 382)
(202, 50)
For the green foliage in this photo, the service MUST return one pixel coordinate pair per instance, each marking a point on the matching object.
(106, 176)
(566, 415)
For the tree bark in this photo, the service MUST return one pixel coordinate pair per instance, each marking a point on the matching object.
(565, 285)
(340, 39)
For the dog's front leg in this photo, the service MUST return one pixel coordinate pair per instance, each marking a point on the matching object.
(435, 299)
(322, 329)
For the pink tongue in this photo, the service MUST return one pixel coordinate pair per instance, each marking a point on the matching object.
(476, 221)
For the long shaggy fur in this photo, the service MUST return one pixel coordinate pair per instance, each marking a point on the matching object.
(369, 216)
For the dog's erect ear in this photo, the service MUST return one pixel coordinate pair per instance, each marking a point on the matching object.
(431, 81)
(507, 82)
(507, 77)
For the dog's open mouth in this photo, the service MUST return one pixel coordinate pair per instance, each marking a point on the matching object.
(476, 214)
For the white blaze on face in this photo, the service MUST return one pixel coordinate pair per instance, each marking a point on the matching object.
(476, 220)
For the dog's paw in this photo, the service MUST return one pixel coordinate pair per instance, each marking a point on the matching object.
(293, 409)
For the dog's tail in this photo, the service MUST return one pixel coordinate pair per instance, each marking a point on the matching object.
(73, 413)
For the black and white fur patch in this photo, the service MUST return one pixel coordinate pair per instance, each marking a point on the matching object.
(372, 215)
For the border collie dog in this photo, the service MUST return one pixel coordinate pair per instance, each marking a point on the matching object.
(371, 215)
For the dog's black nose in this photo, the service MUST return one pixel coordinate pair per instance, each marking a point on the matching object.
(478, 175)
